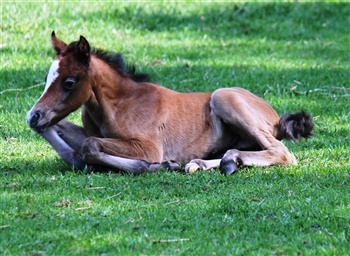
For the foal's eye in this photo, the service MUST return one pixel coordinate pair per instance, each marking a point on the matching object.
(69, 83)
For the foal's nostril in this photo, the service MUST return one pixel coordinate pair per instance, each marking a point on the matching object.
(34, 119)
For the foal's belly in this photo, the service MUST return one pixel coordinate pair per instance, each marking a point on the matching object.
(188, 130)
(187, 141)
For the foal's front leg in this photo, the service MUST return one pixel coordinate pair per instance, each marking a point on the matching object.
(132, 156)
(66, 138)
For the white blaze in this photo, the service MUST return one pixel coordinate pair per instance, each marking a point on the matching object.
(52, 75)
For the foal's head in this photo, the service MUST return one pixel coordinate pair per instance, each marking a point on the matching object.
(67, 86)
(69, 82)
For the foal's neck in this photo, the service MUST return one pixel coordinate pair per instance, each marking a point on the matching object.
(108, 82)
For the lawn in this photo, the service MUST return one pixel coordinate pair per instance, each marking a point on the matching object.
(296, 55)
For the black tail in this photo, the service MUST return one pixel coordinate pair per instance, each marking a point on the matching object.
(295, 126)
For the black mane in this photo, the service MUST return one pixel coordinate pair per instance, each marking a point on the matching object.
(116, 61)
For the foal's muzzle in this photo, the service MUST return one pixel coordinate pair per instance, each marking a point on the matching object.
(36, 121)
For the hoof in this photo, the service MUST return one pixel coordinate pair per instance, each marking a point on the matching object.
(73, 160)
(90, 168)
(168, 165)
(171, 165)
(191, 168)
(228, 167)
(79, 164)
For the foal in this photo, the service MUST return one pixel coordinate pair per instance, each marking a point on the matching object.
(132, 125)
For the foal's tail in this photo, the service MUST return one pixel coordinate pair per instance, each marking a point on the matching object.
(295, 126)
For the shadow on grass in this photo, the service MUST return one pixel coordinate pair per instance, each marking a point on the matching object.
(286, 21)
(321, 24)
(313, 27)
(13, 166)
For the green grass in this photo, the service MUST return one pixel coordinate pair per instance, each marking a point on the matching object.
(295, 55)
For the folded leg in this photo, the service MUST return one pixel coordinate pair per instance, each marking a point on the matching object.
(254, 120)
(133, 156)
(66, 138)
(76, 149)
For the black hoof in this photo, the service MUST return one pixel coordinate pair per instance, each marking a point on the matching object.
(78, 163)
(228, 166)
(171, 165)
(89, 168)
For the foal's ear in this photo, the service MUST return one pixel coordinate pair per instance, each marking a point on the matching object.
(57, 44)
(83, 50)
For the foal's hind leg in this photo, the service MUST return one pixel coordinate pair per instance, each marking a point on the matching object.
(66, 138)
(254, 119)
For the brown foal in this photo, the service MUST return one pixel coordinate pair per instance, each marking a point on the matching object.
(132, 125)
